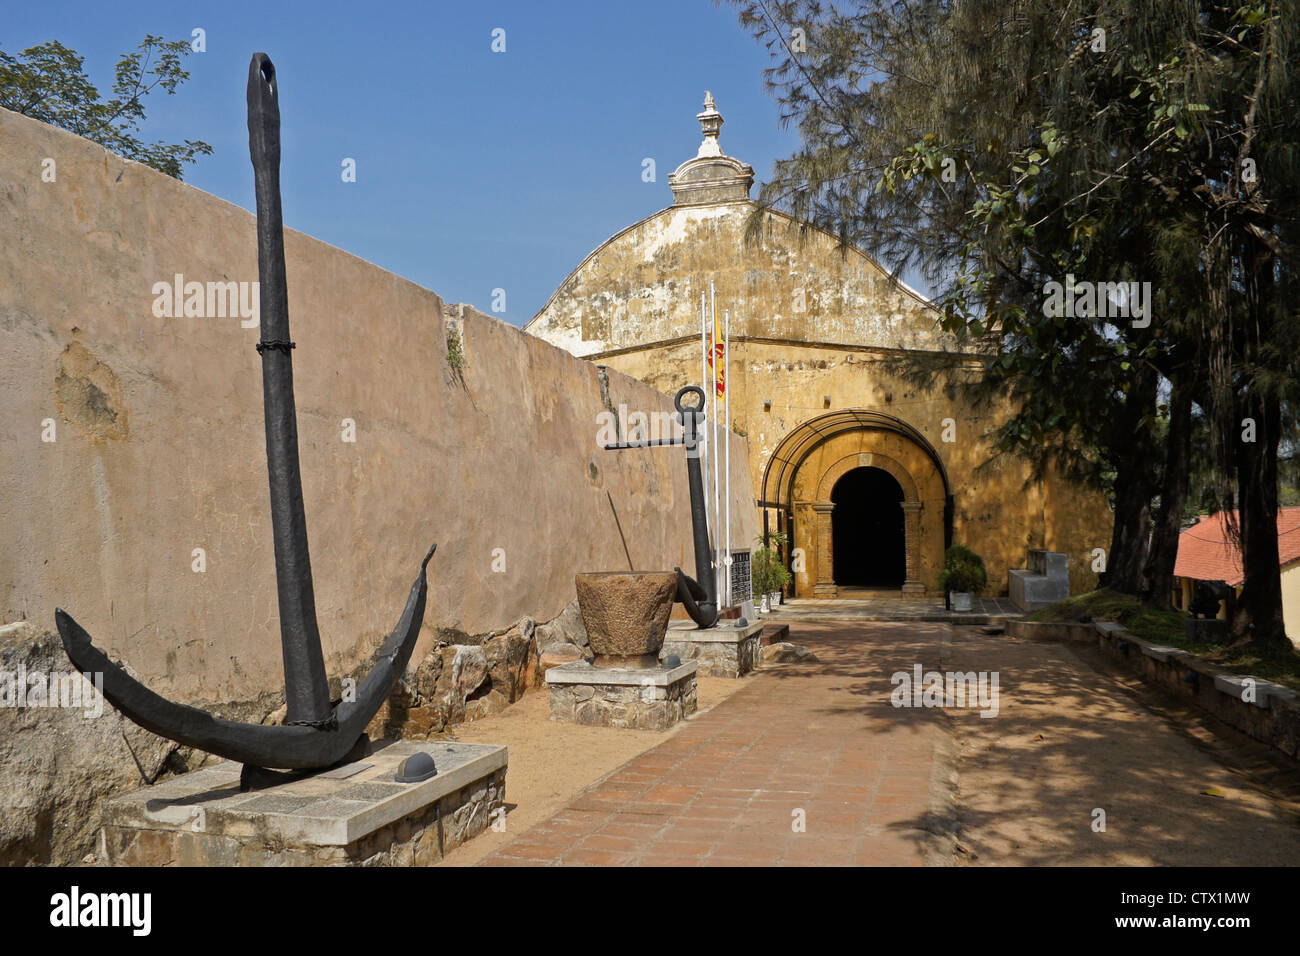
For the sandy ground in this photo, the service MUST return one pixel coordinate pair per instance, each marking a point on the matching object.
(1075, 735)
(553, 762)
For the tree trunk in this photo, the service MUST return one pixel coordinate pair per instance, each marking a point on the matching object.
(1134, 486)
(1259, 618)
(1158, 582)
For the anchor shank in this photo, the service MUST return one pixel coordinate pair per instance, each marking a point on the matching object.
(306, 686)
(700, 602)
(700, 532)
(313, 735)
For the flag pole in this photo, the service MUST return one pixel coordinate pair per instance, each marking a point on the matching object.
(727, 435)
(704, 387)
(726, 398)
(713, 408)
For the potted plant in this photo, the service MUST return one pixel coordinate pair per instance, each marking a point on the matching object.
(768, 556)
(963, 576)
(783, 577)
(760, 569)
(769, 574)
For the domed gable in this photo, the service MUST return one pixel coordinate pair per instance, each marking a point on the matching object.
(789, 281)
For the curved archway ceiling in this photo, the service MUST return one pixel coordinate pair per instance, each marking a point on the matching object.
(794, 449)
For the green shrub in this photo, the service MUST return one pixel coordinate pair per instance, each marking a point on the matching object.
(963, 570)
(455, 351)
(766, 568)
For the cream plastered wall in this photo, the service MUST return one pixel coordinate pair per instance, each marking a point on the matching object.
(998, 510)
(644, 285)
(159, 443)
(1291, 600)
(815, 328)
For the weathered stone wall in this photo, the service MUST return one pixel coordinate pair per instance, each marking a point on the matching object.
(160, 446)
(159, 450)
(1274, 720)
(817, 328)
(56, 763)
(644, 285)
(999, 511)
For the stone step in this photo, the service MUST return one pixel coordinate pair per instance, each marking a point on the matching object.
(775, 633)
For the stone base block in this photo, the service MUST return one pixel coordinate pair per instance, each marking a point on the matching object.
(1045, 581)
(722, 650)
(355, 815)
(642, 698)
(1029, 591)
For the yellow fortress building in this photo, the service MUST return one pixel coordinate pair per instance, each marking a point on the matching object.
(870, 477)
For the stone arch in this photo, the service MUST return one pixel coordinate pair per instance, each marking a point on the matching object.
(804, 470)
(823, 508)
(867, 459)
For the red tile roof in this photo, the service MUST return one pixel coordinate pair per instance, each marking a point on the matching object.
(1205, 552)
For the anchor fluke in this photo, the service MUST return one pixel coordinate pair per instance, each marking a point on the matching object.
(284, 747)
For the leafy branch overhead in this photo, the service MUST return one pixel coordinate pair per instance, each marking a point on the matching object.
(48, 82)
(1146, 149)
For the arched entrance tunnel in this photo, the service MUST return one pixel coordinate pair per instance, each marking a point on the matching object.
(869, 544)
(865, 502)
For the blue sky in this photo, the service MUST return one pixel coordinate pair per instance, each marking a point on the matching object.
(475, 170)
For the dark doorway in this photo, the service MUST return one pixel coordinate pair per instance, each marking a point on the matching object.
(867, 530)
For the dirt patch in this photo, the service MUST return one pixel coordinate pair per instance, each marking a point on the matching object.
(553, 762)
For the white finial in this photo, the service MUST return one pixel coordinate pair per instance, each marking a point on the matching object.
(711, 123)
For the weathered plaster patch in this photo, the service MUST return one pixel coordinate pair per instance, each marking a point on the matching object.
(89, 394)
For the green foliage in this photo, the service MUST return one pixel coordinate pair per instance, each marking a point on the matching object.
(995, 147)
(1169, 628)
(767, 570)
(1139, 619)
(963, 571)
(990, 146)
(455, 351)
(48, 82)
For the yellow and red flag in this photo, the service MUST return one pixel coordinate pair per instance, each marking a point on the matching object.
(718, 359)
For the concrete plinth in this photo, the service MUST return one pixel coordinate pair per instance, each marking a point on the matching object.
(352, 815)
(722, 650)
(1044, 582)
(644, 698)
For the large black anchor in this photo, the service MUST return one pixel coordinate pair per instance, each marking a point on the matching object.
(699, 597)
(316, 733)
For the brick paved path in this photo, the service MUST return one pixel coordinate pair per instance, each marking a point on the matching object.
(817, 741)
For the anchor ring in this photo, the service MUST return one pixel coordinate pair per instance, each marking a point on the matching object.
(677, 401)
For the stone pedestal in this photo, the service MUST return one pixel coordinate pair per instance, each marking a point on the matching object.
(643, 698)
(722, 650)
(352, 815)
(1044, 582)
